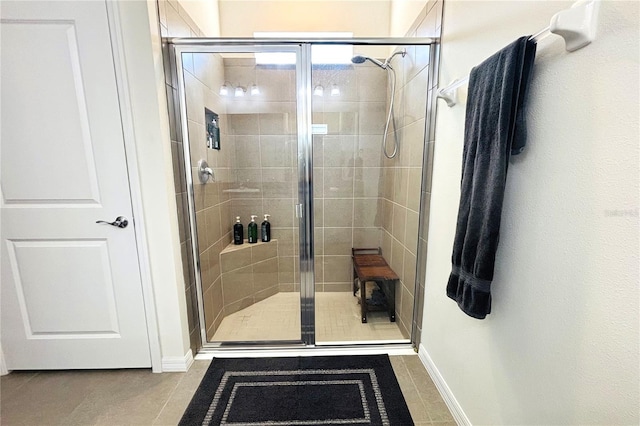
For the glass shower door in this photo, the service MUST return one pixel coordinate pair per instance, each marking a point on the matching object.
(240, 115)
(355, 190)
(299, 136)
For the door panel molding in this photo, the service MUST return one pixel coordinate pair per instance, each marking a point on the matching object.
(69, 122)
(37, 287)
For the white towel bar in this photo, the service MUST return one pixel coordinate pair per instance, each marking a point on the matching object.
(576, 25)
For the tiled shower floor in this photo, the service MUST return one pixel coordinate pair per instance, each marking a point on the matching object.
(278, 318)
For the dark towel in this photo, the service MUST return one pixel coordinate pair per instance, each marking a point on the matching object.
(494, 128)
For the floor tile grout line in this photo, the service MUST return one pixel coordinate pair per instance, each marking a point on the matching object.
(80, 404)
(419, 393)
(342, 330)
(15, 391)
(169, 397)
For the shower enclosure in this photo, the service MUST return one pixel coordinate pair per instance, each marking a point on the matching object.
(310, 133)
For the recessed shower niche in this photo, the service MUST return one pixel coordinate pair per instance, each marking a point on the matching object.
(313, 160)
(212, 126)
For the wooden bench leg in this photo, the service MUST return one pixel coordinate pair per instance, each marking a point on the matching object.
(355, 285)
(391, 300)
(363, 301)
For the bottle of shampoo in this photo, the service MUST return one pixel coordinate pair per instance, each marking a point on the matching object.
(265, 229)
(252, 230)
(238, 232)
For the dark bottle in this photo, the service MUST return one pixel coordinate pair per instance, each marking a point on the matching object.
(265, 229)
(252, 230)
(238, 232)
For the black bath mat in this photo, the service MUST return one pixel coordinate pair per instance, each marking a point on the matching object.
(326, 390)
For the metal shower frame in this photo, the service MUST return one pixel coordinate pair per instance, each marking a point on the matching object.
(302, 48)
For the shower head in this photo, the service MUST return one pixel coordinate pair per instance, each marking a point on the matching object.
(360, 59)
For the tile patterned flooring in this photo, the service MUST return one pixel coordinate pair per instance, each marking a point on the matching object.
(278, 318)
(139, 397)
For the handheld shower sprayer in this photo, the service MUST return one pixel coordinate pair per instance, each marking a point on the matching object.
(391, 77)
(361, 59)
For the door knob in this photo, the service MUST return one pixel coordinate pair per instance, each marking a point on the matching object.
(120, 222)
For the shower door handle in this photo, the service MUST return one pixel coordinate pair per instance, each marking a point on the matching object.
(120, 222)
(298, 211)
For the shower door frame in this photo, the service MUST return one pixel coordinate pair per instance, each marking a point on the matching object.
(304, 209)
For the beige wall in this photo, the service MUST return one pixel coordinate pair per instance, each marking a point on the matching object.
(204, 13)
(561, 343)
(365, 18)
(175, 20)
(403, 15)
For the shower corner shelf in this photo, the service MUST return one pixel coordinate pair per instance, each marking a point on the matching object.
(241, 190)
(231, 247)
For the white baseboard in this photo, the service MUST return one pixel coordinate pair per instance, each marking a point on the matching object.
(452, 403)
(177, 363)
(3, 365)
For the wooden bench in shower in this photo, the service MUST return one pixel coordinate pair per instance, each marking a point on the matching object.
(369, 265)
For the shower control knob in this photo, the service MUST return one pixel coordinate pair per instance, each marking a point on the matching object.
(204, 172)
(120, 222)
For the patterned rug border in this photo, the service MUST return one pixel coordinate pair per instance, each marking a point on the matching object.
(382, 388)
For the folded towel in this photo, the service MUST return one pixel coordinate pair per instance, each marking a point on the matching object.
(494, 128)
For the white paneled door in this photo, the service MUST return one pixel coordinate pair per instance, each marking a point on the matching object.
(71, 287)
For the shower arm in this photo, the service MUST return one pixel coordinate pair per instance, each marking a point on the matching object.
(387, 62)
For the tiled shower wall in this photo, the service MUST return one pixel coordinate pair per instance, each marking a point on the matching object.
(406, 182)
(347, 168)
(428, 26)
(203, 74)
(263, 131)
(347, 163)
(175, 22)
